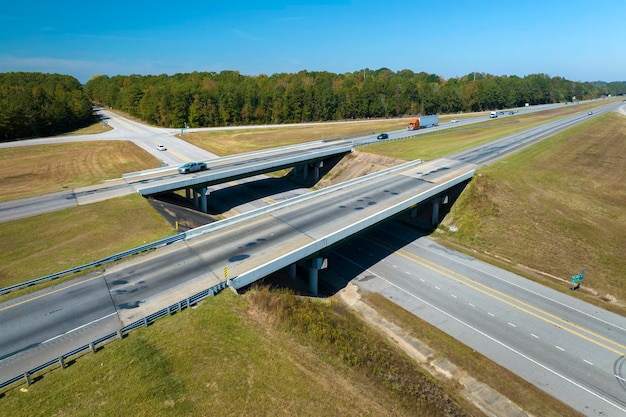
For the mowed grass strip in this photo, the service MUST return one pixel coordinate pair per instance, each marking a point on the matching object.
(27, 171)
(53, 242)
(231, 357)
(556, 207)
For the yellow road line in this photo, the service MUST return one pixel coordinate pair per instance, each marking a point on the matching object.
(50, 293)
(502, 297)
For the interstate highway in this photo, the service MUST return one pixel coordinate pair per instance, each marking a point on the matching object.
(565, 346)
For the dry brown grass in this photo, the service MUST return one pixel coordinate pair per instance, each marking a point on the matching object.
(26, 171)
(228, 142)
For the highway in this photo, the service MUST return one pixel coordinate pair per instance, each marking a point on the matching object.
(515, 322)
(570, 349)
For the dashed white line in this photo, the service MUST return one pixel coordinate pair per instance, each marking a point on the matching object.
(436, 287)
(471, 305)
(511, 324)
(534, 335)
(422, 279)
(492, 315)
(78, 328)
(559, 348)
(587, 362)
(453, 296)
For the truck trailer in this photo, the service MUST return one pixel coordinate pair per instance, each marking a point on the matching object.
(423, 121)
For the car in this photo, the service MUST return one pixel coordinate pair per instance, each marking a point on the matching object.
(511, 112)
(501, 112)
(190, 167)
(161, 147)
(590, 113)
(383, 136)
(454, 121)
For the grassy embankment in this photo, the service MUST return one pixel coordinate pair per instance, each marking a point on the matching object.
(261, 354)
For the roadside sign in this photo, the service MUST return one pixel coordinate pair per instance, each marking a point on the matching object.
(579, 277)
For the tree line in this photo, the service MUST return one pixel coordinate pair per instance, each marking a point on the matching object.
(204, 99)
(35, 104)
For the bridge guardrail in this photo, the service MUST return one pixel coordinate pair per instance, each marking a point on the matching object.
(144, 322)
(111, 258)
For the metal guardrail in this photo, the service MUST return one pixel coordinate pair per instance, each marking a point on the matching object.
(111, 258)
(144, 322)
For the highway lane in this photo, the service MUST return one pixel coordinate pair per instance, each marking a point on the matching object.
(148, 283)
(44, 325)
(571, 349)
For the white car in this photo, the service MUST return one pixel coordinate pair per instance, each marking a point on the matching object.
(161, 147)
(454, 121)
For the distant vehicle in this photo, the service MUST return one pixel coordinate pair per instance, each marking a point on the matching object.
(383, 136)
(590, 113)
(454, 121)
(192, 167)
(501, 112)
(493, 114)
(423, 121)
(161, 147)
(511, 112)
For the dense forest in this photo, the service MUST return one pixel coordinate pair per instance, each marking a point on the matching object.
(201, 99)
(34, 104)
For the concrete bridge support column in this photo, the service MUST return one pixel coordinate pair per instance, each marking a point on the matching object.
(435, 213)
(305, 171)
(316, 265)
(316, 170)
(188, 193)
(291, 271)
(196, 203)
(203, 198)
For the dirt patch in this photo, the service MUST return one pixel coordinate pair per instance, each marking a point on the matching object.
(357, 164)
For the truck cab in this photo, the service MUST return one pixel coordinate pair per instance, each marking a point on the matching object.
(493, 114)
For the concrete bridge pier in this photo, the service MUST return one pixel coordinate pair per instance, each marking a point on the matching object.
(434, 221)
(316, 265)
(291, 271)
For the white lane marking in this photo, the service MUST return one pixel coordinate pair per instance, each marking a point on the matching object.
(587, 361)
(79, 327)
(453, 296)
(492, 315)
(528, 358)
(476, 267)
(471, 305)
(437, 287)
(512, 325)
(534, 335)
(559, 348)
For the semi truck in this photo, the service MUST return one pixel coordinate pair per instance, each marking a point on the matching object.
(423, 121)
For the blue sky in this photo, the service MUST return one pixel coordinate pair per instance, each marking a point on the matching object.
(578, 40)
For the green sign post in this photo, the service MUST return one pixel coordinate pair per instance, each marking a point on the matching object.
(577, 278)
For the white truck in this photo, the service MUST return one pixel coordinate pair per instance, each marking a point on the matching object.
(493, 114)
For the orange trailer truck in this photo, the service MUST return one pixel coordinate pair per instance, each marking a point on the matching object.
(423, 121)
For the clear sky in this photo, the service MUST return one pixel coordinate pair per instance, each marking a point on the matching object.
(577, 40)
